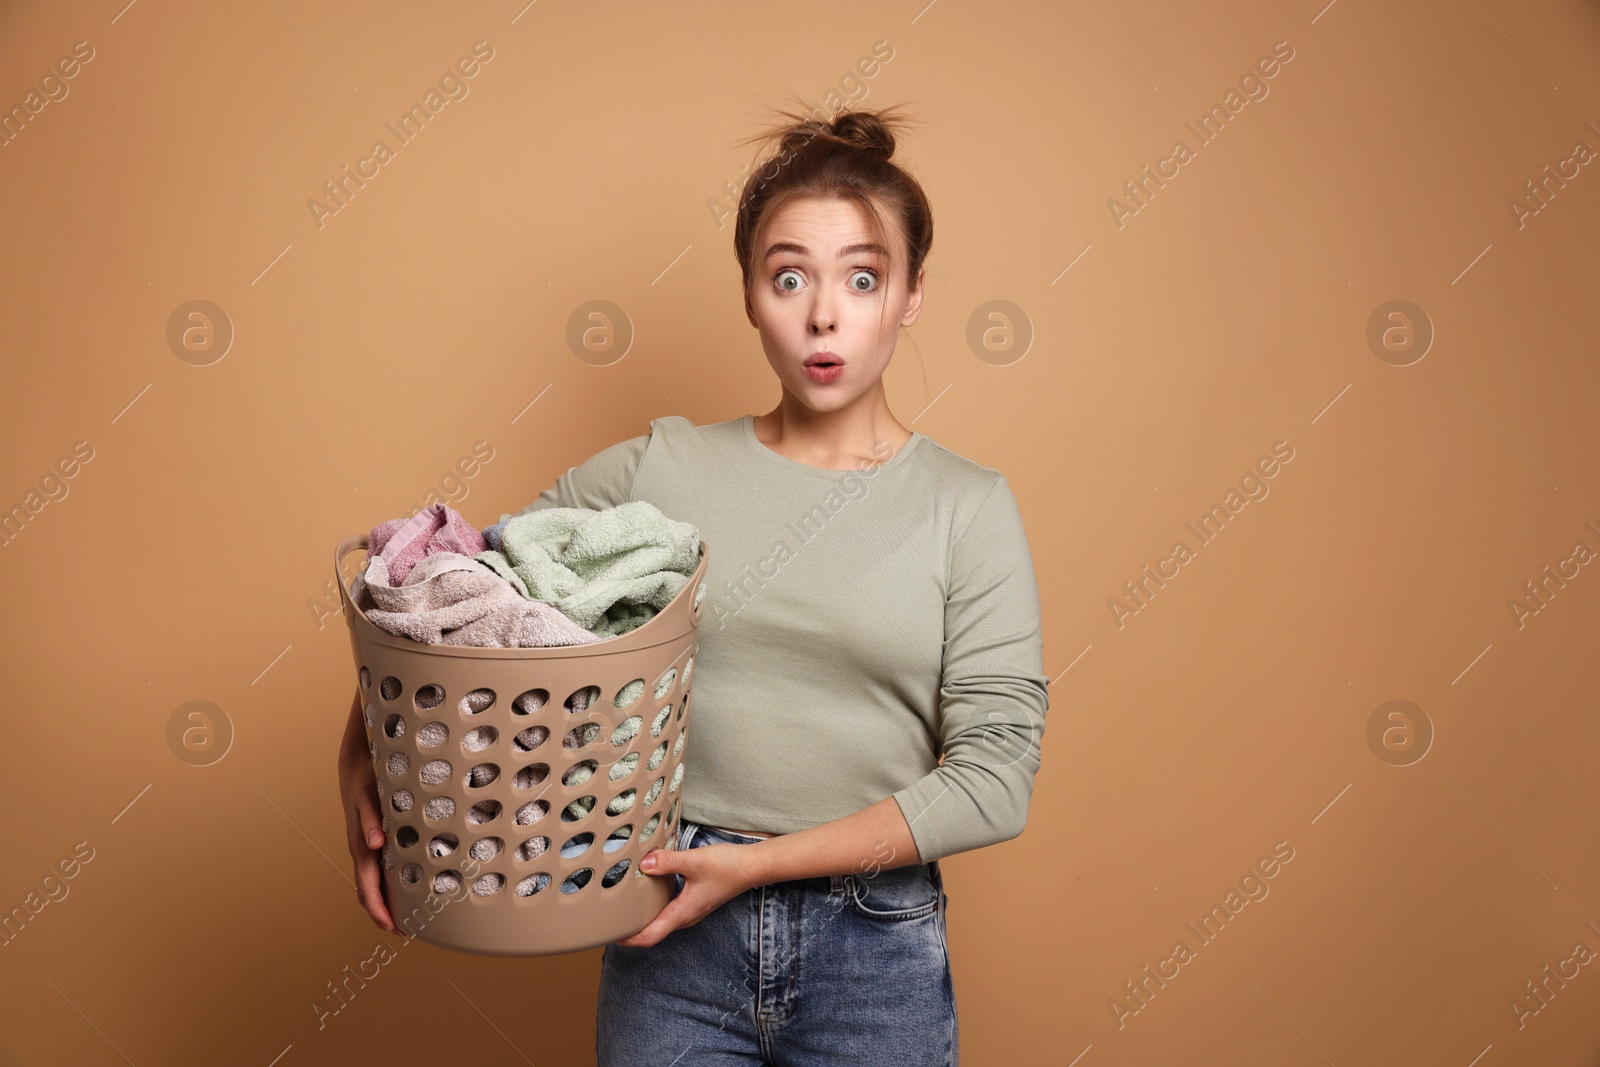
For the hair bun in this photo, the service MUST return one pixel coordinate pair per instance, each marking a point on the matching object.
(865, 131)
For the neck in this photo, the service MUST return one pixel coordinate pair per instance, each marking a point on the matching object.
(866, 431)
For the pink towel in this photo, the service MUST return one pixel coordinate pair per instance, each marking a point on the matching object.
(403, 543)
(453, 600)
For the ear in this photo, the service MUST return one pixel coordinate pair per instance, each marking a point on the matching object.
(914, 303)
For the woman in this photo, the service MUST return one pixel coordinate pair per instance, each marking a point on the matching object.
(871, 606)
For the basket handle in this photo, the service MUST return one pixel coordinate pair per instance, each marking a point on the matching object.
(346, 546)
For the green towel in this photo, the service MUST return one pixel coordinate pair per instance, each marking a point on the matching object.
(608, 571)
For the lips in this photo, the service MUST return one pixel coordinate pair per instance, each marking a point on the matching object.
(824, 359)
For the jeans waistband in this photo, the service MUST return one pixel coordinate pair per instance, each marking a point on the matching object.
(701, 829)
(690, 831)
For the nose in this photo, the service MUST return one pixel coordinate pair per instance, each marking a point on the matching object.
(821, 317)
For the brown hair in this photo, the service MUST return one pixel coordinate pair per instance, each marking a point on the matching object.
(850, 158)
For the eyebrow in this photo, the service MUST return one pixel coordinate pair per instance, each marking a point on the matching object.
(848, 250)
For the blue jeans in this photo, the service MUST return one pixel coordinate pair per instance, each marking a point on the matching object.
(841, 969)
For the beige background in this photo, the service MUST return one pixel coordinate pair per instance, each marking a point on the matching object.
(189, 558)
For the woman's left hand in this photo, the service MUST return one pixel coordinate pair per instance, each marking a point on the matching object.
(713, 875)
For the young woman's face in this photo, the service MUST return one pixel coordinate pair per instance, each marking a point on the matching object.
(821, 284)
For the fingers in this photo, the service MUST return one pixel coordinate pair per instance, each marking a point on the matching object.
(369, 891)
(371, 822)
(359, 784)
(364, 803)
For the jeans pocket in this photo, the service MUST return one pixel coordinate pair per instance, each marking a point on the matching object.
(894, 895)
(683, 839)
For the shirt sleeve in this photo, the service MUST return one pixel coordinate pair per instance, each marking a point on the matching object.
(993, 692)
(604, 480)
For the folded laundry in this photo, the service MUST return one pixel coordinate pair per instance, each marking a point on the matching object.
(451, 599)
(403, 543)
(609, 571)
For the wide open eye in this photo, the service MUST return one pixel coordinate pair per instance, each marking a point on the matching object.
(870, 275)
(782, 285)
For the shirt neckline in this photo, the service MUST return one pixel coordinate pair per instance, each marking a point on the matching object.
(748, 422)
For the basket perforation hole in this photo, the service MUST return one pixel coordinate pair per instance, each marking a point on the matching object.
(483, 811)
(577, 845)
(655, 791)
(581, 735)
(677, 778)
(629, 693)
(486, 848)
(441, 845)
(371, 715)
(532, 812)
(429, 697)
(478, 738)
(401, 800)
(532, 884)
(530, 739)
(618, 837)
(438, 809)
(621, 802)
(411, 873)
(492, 882)
(648, 830)
(445, 883)
(531, 775)
(435, 771)
(405, 837)
(389, 688)
(532, 848)
(394, 726)
(399, 764)
(577, 880)
(624, 767)
(578, 809)
(627, 730)
(432, 734)
(366, 678)
(615, 874)
(477, 702)
(530, 702)
(583, 699)
(579, 773)
(664, 683)
(481, 775)
(660, 721)
(657, 756)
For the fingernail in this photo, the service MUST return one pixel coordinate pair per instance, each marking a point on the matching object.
(375, 839)
(648, 863)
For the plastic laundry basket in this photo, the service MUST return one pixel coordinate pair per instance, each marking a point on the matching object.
(480, 868)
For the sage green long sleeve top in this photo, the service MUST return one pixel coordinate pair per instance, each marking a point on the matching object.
(858, 625)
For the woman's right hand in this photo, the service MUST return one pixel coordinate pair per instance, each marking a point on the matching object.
(358, 787)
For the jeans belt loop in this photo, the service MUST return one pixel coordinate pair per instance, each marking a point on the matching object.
(835, 884)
